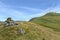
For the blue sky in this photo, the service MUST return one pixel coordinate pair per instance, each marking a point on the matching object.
(26, 9)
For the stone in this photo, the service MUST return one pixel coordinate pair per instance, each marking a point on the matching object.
(21, 31)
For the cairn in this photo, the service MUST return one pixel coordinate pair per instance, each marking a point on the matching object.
(9, 22)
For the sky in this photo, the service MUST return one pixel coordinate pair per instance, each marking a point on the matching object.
(25, 10)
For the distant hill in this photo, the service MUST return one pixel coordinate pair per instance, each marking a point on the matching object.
(50, 20)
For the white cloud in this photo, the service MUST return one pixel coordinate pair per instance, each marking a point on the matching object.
(6, 11)
(32, 9)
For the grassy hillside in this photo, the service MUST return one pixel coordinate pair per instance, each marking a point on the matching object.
(32, 32)
(51, 20)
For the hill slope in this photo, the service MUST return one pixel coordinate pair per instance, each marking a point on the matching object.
(32, 32)
(51, 20)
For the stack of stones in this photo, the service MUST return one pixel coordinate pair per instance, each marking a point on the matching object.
(9, 22)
